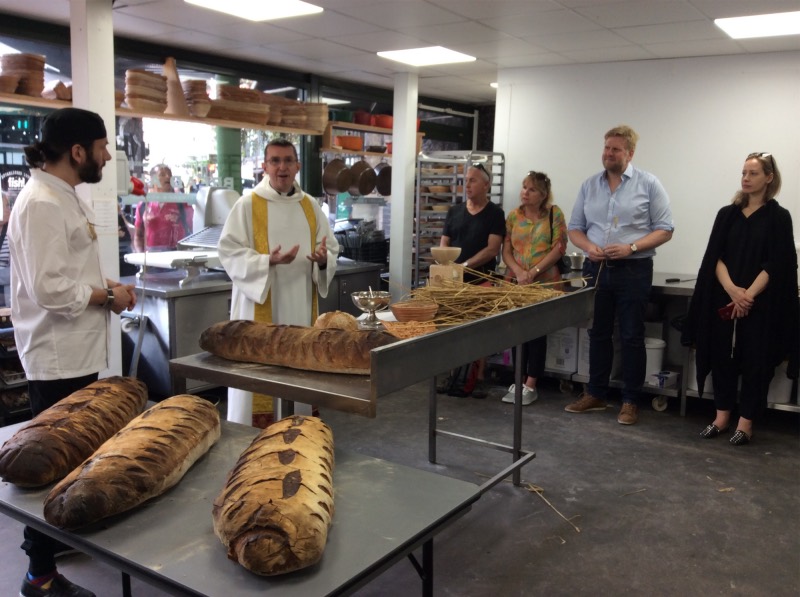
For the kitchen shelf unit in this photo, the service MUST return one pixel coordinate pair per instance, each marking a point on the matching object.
(38, 102)
(360, 130)
(14, 404)
(446, 169)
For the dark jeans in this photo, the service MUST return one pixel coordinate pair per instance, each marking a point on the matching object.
(622, 293)
(41, 548)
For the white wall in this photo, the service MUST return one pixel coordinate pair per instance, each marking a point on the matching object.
(697, 119)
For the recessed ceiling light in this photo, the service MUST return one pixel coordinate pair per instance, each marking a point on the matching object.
(264, 10)
(426, 56)
(770, 25)
(493, 85)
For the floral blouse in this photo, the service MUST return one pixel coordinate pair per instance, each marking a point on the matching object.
(530, 241)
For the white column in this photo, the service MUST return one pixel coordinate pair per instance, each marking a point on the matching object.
(92, 45)
(404, 155)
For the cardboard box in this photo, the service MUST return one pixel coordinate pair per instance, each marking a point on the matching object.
(438, 274)
(562, 351)
(663, 379)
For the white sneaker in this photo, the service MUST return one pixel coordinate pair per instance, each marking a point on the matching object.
(529, 395)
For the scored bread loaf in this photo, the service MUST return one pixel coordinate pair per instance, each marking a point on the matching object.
(275, 510)
(337, 319)
(61, 437)
(308, 348)
(144, 459)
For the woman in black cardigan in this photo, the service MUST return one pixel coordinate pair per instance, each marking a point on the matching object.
(743, 318)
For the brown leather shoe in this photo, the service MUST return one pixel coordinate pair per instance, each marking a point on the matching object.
(628, 414)
(585, 403)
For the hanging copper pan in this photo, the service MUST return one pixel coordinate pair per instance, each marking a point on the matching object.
(336, 177)
(364, 178)
(384, 184)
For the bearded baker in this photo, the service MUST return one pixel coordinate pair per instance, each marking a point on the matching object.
(279, 251)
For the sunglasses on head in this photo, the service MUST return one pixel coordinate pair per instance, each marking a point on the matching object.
(539, 176)
(763, 155)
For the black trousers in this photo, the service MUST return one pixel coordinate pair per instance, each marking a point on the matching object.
(534, 355)
(41, 548)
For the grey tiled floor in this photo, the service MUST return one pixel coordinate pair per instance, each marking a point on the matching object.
(656, 510)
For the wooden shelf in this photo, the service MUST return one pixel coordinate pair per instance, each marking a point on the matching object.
(329, 146)
(38, 102)
(353, 152)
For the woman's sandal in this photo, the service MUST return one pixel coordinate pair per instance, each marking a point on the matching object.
(740, 438)
(711, 431)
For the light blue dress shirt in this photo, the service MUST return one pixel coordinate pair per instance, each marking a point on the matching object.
(639, 206)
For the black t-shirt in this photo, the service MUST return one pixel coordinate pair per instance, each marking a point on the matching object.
(471, 233)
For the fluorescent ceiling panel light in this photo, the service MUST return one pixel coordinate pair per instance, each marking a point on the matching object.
(263, 10)
(426, 56)
(334, 102)
(770, 25)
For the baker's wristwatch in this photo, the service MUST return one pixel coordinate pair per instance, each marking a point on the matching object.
(109, 298)
(633, 248)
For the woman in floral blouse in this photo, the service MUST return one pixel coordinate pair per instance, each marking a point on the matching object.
(536, 239)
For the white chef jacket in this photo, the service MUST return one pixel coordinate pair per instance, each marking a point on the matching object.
(55, 262)
(291, 284)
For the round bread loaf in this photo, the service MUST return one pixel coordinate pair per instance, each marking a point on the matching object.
(337, 319)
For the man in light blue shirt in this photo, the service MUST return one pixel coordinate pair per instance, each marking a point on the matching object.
(620, 216)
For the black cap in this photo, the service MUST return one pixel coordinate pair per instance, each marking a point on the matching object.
(65, 127)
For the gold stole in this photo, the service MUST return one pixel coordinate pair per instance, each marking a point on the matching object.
(263, 409)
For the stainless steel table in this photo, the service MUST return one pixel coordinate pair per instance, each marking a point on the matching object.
(384, 511)
(403, 363)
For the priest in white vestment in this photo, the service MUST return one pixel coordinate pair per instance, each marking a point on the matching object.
(279, 251)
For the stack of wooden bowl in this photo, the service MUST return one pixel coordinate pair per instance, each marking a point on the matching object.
(317, 116)
(240, 104)
(8, 83)
(145, 91)
(30, 70)
(294, 115)
(58, 90)
(276, 104)
(196, 93)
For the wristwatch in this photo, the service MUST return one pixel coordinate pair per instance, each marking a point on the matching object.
(109, 298)
(633, 248)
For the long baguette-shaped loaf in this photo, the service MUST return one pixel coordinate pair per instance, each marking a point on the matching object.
(276, 507)
(144, 459)
(308, 348)
(60, 438)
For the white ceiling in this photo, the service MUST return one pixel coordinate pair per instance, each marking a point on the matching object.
(341, 41)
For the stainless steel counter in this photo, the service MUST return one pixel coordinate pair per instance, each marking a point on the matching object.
(397, 365)
(383, 512)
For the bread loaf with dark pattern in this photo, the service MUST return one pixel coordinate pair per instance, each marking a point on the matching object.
(329, 350)
(275, 510)
(144, 459)
(61, 437)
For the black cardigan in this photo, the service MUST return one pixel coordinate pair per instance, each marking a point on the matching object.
(780, 338)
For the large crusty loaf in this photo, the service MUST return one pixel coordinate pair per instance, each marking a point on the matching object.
(144, 459)
(308, 348)
(275, 510)
(337, 319)
(61, 437)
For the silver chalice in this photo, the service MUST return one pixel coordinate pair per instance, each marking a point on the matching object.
(370, 301)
